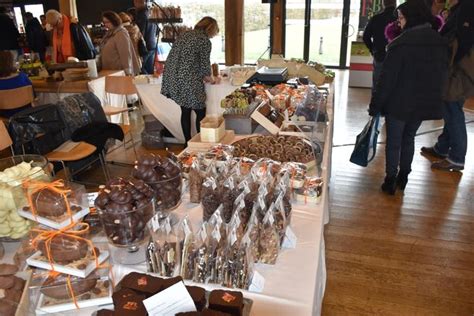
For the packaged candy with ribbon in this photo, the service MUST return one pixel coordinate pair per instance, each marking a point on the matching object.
(54, 204)
(201, 258)
(195, 182)
(210, 197)
(59, 292)
(311, 192)
(269, 239)
(187, 245)
(167, 250)
(67, 251)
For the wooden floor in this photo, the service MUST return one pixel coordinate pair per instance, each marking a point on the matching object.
(408, 254)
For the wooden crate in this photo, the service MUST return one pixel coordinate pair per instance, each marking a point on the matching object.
(240, 124)
(196, 143)
(212, 129)
(265, 122)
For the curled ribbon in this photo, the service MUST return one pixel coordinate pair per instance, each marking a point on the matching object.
(37, 186)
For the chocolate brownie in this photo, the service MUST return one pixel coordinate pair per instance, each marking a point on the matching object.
(198, 294)
(230, 302)
(19, 283)
(104, 312)
(127, 302)
(7, 308)
(211, 312)
(166, 283)
(142, 283)
(13, 295)
(189, 314)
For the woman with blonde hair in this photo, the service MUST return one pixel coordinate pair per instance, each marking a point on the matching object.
(187, 68)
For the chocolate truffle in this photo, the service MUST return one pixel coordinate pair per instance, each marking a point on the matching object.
(198, 294)
(129, 303)
(8, 269)
(57, 287)
(7, 282)
(142, 283)
(65, 249)
(7, 308)
(49, 203)
(104, 312)
(231, 302)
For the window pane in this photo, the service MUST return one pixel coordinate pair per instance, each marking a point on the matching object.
(326, 27)
(19, 19)
(294, 34)
(257, 30)
(193, 10)
(36, 9)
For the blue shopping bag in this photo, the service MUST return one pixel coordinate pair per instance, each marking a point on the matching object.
(366, 143)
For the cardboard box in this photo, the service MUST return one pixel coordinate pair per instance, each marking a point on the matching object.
(212, 129)
(196, 144)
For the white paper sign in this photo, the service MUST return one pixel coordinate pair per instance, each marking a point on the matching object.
(91, 198)
(258, 282)
(169, 302)
(290, 238)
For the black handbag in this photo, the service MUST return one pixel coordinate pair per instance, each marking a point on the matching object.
(366, 143)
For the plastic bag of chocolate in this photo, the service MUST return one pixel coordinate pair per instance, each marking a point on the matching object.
(201, 256)
(210, 198)
(187, 245)
(195, 182)
(239, 219)
(280, 221)
(217, 243)
(167, 249)
(269, 241)
(253, 234)
(297, 173)
(311, 191)
(283, 204)
(222, 148)
(228, 194)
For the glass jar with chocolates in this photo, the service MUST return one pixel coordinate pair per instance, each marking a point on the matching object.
(163, 175)
(124, 208)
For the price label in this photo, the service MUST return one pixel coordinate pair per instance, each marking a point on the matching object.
(233, 237)
(261, 202)
(258, 282)
(203, 232)
(186, 228)
(216, 234)
(91, 198)
(290, 239)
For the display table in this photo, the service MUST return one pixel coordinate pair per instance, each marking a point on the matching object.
(169, 113)
(53, 91)
(295, 285)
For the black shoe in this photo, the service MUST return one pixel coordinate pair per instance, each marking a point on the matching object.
(430, 151)
(402, 179)
(389, 185)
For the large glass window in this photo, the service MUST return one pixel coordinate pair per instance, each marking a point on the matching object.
(326, 27)
(257, 30)
(294, 33)
(193, 10)
(36, 9)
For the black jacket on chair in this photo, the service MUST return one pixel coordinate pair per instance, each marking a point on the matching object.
(413, 76)
(82, 42)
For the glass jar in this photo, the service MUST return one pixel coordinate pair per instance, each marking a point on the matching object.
(167, 193)
(13, 171)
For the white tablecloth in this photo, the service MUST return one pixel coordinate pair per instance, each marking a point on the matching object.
(169, 113)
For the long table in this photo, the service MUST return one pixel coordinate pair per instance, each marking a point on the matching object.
(295, 285)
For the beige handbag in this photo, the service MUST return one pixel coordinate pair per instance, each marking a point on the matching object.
(460, 82)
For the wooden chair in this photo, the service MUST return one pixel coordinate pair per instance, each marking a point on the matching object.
(5, 139)
(15, 98)
(120, 85)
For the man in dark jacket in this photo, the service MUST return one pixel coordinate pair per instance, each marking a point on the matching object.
(374, 37)
(10, 34)
(35, 35)
(409, 89)
(149, 31)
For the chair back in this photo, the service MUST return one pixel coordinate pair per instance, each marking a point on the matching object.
(120, 85)
(16, 98)
(5, 139)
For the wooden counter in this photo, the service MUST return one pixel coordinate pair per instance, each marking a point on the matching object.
(81, 86)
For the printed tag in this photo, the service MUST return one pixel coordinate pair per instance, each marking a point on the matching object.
(186, 228)
(290, 239)
(155, 224)
(91, 198)
(258, 282)
(173, 300)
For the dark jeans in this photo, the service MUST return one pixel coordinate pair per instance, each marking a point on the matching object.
(376, 73)
(148, 66)
(400, 145)
(452, 142)
(186, 121)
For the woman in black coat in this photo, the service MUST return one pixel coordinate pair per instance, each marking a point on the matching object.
(409, 90)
